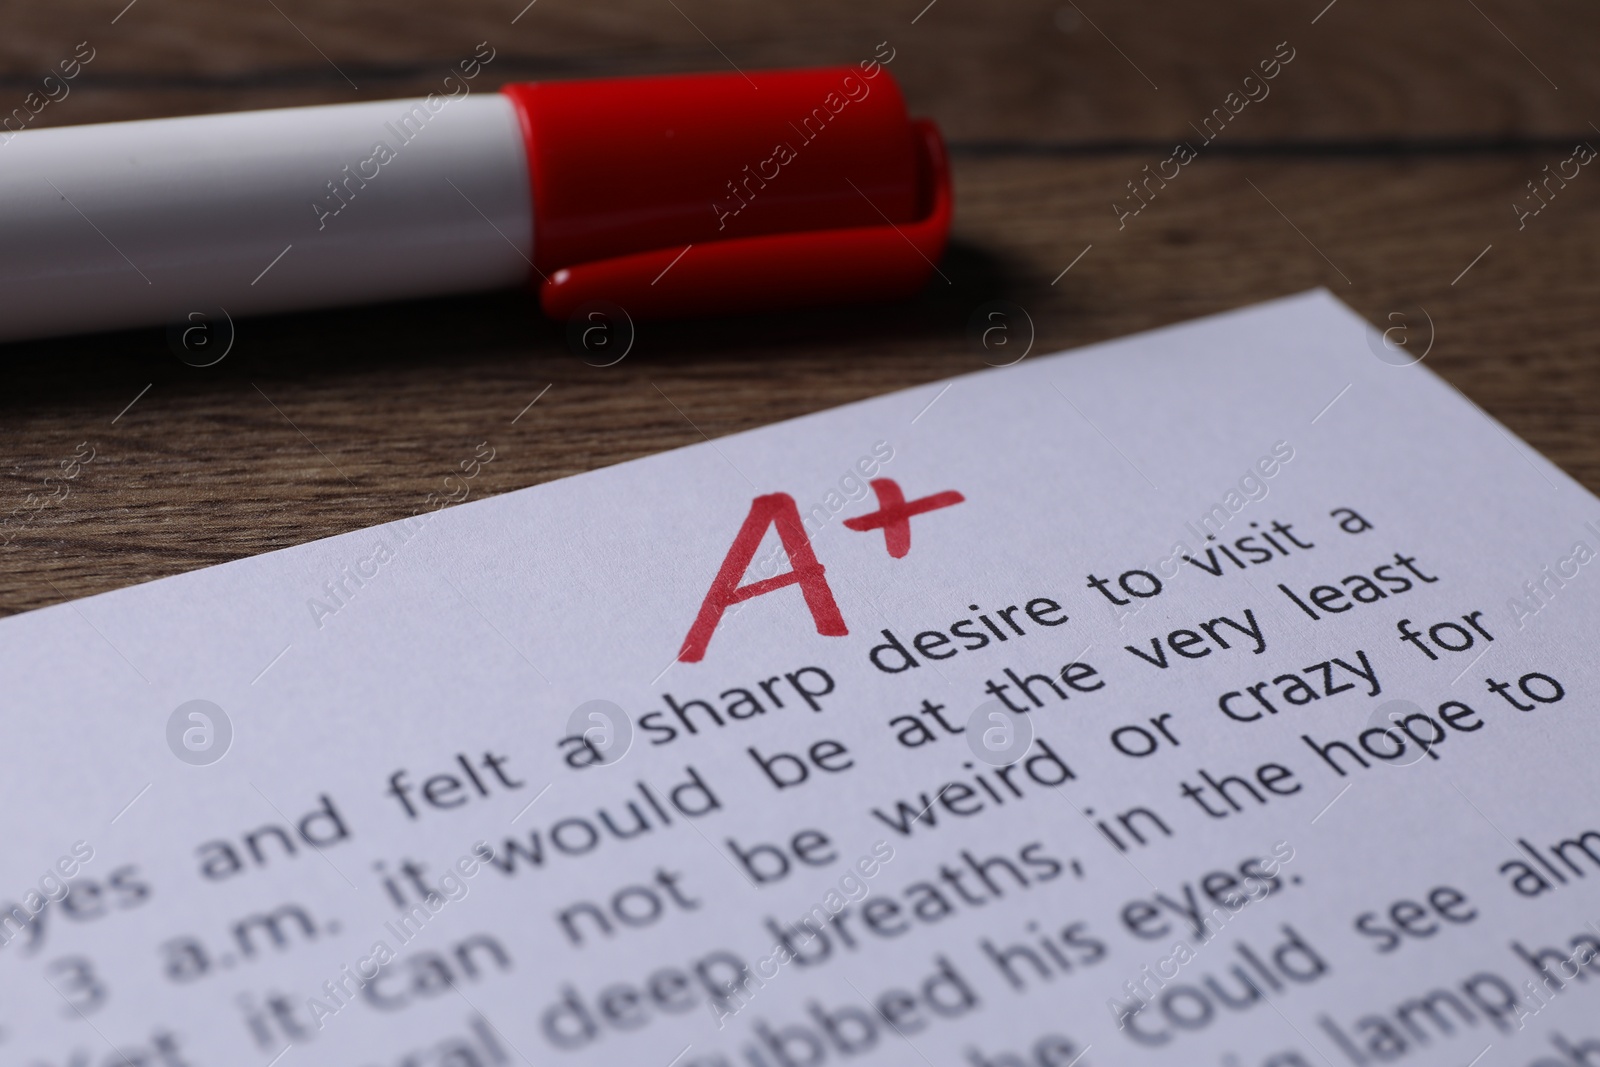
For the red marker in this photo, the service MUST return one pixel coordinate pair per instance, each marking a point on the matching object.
(668, 196)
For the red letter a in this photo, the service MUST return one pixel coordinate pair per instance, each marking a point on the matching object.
(775, 509)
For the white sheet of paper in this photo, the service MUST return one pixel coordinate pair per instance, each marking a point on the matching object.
(392, 705)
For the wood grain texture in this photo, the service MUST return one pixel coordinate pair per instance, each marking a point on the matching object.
(323, 423)
(1016, 70)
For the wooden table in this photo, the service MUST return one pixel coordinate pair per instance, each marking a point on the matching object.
(1383, 164)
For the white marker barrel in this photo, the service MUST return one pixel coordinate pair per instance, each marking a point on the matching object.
(142, 223)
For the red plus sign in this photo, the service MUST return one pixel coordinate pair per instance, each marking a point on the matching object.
(894, 514)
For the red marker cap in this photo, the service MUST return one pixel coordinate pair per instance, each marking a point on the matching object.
(722, 193)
